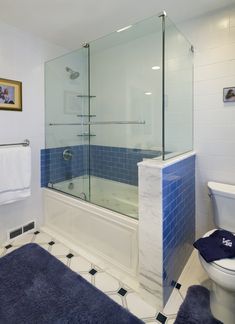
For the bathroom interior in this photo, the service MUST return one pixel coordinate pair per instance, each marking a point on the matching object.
(117, 164)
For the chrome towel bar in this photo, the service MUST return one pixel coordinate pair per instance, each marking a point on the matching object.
(25, 143)
(135, 122)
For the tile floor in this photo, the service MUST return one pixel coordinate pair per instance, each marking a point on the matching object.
(114, 288)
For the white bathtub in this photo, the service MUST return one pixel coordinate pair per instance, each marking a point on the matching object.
(117, 196)
(111, 236)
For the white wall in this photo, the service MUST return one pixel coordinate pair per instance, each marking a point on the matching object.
(22, 58)
(214, 39)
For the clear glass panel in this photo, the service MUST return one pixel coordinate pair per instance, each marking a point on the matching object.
(125, 80)
(104, 112)
(67, 99)
(178, 92)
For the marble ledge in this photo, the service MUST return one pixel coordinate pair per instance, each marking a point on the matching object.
(160, 164)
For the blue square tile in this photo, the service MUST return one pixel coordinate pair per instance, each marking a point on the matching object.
(178, 218)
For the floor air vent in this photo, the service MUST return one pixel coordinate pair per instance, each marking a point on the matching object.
(28, 227)
(18, 231)
(15, 233)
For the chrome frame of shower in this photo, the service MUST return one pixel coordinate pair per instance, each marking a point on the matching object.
(162, 15)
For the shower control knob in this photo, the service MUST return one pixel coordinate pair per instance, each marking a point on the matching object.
(67, 154)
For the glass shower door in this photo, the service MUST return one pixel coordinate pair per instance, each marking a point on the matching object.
(178, 92)
(125, 80)
(67, 138)
(112, 103)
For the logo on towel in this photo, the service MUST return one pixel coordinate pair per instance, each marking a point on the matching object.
(227, 242)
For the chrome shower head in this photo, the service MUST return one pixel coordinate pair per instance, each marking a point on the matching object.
(73, 74)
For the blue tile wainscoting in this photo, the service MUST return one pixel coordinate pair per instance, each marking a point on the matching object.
(113, 163)
(55, 169)
(118, 163)
(178, 204)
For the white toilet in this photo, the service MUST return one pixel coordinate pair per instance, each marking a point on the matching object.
(222, 272)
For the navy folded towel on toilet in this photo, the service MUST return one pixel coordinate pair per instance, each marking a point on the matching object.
(219, 245)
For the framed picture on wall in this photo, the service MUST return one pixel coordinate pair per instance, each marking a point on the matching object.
(10, 95)
(229, 94)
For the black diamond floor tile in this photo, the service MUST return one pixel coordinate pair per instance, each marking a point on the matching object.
(161, 318)
(175, 284)
(122, 291)
(8, 246)
(51, 243)
(178, 286)
(92, 272)
(69, 256)
(37, 232)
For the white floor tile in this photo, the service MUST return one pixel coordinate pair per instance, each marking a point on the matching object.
(193, 274)
(45, 246)
(86, 276)
(64, 260)
(117, 299)
(27, 238)
(171, 321)
(79, 264)
(105, 282)
(173, 303)
(42, 238)
(11, 249)
(59, 249)
(139, 307)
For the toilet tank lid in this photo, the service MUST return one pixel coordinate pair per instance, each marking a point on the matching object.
(222, 189)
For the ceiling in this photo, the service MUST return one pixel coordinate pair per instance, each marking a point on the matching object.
(69, 23)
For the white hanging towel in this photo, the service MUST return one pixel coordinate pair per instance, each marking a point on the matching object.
(15, 173)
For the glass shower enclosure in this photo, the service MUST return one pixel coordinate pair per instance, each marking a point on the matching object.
(112, 103)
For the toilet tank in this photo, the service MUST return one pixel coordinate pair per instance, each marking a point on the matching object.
(223, 201)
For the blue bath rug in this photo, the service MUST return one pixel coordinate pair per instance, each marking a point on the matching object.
(36, 288)
(196, 307)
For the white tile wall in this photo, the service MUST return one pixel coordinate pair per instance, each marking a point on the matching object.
(22, 58)
(213, 36)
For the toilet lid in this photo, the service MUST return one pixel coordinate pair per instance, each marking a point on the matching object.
(228, 264)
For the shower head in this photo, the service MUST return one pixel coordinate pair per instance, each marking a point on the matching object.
(73, 74)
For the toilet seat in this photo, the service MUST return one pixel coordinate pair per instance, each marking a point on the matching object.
(226, 265)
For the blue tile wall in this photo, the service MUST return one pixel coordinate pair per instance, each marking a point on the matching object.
(55, 169)
(178, 183)
(118, 163)
(45, 167)
(113, 163)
